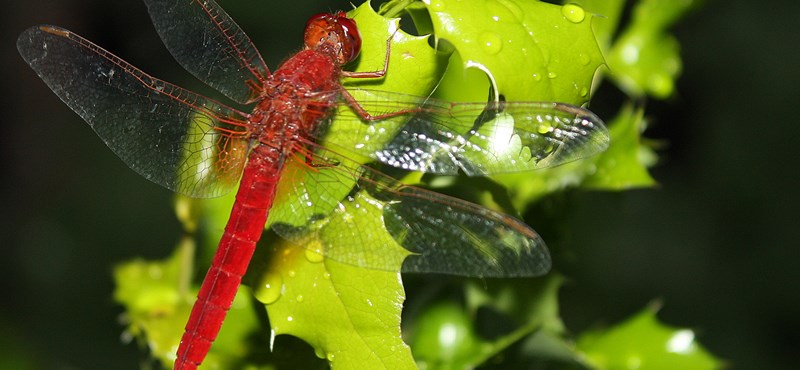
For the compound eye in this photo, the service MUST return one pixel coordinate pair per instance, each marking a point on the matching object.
(350, 38)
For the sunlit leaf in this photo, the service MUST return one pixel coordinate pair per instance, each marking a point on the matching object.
(529, 50)
(349, 315)
(624, 164)
(642, 342)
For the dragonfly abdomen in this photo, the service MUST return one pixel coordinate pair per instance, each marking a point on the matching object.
(244, 229)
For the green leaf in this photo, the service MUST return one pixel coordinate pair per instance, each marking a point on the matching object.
(530, 301)
(624, 164)
(527, 51)
(157, 302)
(444, 337)
(449, 336)
(608, 14)
(414, 68)
(349, 315)
(530, 51)
(642, 342)
(645, 59)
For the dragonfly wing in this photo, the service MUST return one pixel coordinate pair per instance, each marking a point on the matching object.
(368, 216)
(477, 139)
(210, 45)
(171, 136)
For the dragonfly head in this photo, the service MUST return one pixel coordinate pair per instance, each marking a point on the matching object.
(333, 33)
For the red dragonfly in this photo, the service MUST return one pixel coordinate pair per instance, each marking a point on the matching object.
(200, 147)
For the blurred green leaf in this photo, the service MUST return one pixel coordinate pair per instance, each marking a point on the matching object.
(526, 301)
(498, 314)
(444, 338)
(624, 164)
(642, 342)
(645, 59)
(157, 309)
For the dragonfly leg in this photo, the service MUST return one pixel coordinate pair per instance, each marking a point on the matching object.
(361, 112)
(374, 74)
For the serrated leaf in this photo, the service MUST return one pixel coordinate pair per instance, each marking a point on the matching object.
(529, 62)
(645, 59)
(642, 342)
(530, 51)
(157, 302)
(349, 315)
(446, 334)
(624, 164)
(608, 14)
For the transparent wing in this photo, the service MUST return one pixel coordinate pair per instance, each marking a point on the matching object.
(171, 136)
(361, 217)
(210, 45)
(478, 139)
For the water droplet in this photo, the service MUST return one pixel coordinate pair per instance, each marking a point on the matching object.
(573, 12)
(537, 77)
(300, 298)
(584, 59)
(291, 273)
(314, 254)
(543, 129)
(438, 6)
(330, 357)
(289, 318)
(584, 91)
(490, 42)
(271, 288)
(551, 75)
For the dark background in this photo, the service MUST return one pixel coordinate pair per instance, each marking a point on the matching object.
(714, 242)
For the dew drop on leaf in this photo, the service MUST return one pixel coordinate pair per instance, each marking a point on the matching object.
(573, 13)
(491, 43)
(270, 289)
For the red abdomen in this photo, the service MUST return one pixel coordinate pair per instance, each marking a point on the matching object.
(244, 228)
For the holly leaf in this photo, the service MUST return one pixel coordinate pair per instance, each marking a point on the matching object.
(524, 51)
(624, 164)
(527, 50)
(157, 298)
(349, 315)
(643, 342)
(645, 59)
